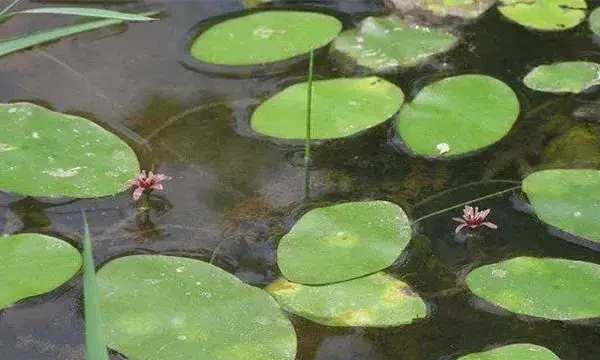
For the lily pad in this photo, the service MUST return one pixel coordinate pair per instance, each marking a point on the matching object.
(458, 115)
(377, 300)
(340, 108)
(514, 352)
(567, 199)
(546, 15)
(343, 242)
(571, 76)
(46, 153)
(34, 264)
(264, 37)
(164, 308)
(468, 9)
(557, 289)
(383, 44)
(594, 21)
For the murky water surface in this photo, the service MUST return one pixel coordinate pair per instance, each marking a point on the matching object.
(233, 194)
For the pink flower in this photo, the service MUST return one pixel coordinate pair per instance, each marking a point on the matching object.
(147, 183)
(473, 218)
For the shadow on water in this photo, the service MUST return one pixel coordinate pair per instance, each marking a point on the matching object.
(234, 194)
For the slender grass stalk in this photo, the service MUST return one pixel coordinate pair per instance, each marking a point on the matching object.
(23, 42)
(95, 345)
(467, 203)
(10, 6)
(308, 123)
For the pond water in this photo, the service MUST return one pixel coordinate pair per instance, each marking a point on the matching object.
(234, 194)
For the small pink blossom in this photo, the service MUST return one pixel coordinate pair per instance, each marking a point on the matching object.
(473, 218)
(147, 183)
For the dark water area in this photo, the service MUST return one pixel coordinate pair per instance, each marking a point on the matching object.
(235, 193)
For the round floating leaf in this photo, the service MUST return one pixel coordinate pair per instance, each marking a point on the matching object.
(461, 8)
(340, 108)
(343, 242)
(33, 264)
(594, 21)
(567, 199)
(514, 352)
(459, 115)
(572, 76)
(46, 153)
(375, 300)
(544, 14)
(557, 289)
(384, 44)
(164, 308)
(264, 37)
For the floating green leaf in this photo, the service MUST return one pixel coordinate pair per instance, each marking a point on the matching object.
(387, 43)
(594, 21)
(46, 153)
(557, 289)
(571, 76)
(377, 300)
(264, 37)
(514, 352)
(458, 115)
(343, 242)
(461, 8)
(26, 41)
(567, 199)
(340, 108)
(548, 15)
(34, 264)
(165, 308)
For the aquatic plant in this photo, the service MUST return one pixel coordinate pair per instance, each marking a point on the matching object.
(473, 218)
(147, 182)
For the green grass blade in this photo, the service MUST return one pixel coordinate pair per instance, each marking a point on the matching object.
(94, 335)
(27, 41)
(90, 12)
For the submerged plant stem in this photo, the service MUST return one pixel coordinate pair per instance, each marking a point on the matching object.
(466, 203)
(308, 124)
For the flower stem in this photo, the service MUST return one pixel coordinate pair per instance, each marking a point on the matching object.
(308, 124)
(466, 203)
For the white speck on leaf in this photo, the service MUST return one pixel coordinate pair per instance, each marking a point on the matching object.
(64, 173)
(443, 148)
(499, 273)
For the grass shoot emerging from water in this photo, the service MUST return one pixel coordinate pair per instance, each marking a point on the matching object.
(94, 334)
(308, 123)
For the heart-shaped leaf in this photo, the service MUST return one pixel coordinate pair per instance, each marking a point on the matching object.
(557, 289)
(377, 300)
(165, 308)
(458, 115)
(33, 264)
(343, 242)
(340, 108)
(46, 153)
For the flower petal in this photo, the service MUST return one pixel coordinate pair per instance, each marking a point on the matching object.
(459, 220)
(459, 228)
(490, 225)
(468, 210)
(138, 193)
(483, 214)
(156, 187)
